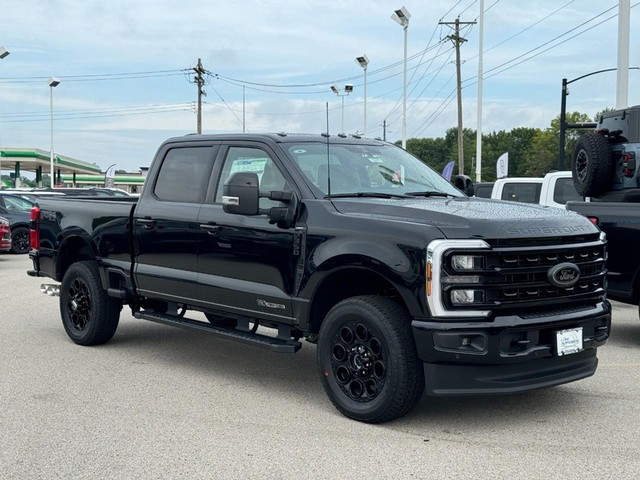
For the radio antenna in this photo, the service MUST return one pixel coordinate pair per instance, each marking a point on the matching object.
(328, 158)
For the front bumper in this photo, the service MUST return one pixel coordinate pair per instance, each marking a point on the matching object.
(512, 353)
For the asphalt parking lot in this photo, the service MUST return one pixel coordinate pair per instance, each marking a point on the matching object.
(160, 402)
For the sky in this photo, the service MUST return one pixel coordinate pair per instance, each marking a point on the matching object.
(126, 69)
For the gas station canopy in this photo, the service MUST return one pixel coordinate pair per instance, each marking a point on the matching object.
(35, 159)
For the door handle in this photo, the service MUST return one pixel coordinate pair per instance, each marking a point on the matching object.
(210, 228)
(147, 222)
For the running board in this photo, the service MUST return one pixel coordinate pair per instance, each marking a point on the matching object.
(275, 344)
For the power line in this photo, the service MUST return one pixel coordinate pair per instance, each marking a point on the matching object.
(96, 77)
(89, 114)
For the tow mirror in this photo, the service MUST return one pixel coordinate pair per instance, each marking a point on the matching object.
(464, 184)
(240, 194)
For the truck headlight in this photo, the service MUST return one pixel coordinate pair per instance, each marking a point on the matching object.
(467, 297)
(455, 282)
(467, 262)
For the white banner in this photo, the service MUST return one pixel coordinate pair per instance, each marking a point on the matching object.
(502, 166)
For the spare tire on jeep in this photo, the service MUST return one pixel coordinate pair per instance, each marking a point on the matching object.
(592, 165)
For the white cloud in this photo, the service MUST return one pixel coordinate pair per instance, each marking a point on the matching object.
(287, 42)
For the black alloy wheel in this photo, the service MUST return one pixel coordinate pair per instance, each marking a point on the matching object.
(367, 359)
(89, 315)
(20, 240)
(358, 362)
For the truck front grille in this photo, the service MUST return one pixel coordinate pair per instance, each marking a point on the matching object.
(520, 277)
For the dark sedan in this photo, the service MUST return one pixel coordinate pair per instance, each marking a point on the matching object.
(17, 210)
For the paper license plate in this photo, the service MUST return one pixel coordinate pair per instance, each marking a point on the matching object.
(569, 341)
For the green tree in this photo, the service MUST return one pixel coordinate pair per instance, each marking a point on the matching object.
(432, 151)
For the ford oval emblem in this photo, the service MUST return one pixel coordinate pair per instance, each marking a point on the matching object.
(563, 275)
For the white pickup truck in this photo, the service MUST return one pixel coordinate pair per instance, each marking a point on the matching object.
(555, 189)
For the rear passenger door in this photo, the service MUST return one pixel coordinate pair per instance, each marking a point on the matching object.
(166, 222)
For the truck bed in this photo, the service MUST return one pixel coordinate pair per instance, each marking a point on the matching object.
(99, 221)
(621, 222)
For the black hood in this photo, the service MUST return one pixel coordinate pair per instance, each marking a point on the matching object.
(464, 217)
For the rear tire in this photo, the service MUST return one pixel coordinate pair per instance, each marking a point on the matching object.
(20, 240)
(592, 165)
(89, 315)
(367, 359)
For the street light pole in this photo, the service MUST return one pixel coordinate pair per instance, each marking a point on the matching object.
(53, 82)
(402, 16)
(363, 61)
(348, 88)
(563, 113)
(3, 53)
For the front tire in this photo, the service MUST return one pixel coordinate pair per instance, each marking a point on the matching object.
(20, 240)
(367, 359)
(89, 315)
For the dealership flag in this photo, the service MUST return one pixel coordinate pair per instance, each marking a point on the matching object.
(448, 170)
(502, 166)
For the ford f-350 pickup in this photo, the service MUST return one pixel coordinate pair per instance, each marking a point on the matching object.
(404, 283)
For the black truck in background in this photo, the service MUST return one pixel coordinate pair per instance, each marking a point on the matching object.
(605, 167)
(404, 283)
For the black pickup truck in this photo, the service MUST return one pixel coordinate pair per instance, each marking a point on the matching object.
(605, 167)
(404, 283)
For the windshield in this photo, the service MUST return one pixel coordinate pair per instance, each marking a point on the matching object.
(358, 168)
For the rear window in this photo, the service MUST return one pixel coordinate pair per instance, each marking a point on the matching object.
(565, 191)
(522, 192)
(484, 191)
(184, 175)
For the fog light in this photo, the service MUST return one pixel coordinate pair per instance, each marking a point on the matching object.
(474, 343)
(466, 262)
(467, 297)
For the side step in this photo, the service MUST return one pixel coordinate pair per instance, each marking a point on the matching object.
(279, 345)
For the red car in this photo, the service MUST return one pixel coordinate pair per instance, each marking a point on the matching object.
(5, 235)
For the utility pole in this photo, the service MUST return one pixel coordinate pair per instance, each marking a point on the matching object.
(384, 130)
(457, 41)
(199, 81)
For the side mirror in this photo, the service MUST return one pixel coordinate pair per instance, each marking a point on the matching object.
(240, 194)
(464, 184)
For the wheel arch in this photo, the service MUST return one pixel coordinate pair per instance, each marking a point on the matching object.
(73, 249)
(347, 281)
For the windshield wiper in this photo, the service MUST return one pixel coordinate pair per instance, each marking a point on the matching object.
(431, 193)
(366, 194)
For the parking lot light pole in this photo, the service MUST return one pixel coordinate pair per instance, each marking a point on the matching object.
(348, 88)
(3, 53)
(363, 61)
(401, 17)
(53, 82)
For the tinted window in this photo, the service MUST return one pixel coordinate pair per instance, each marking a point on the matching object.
(565, 191)
(184, 175)
(248, 159)
(522, 192)
(484, 191)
